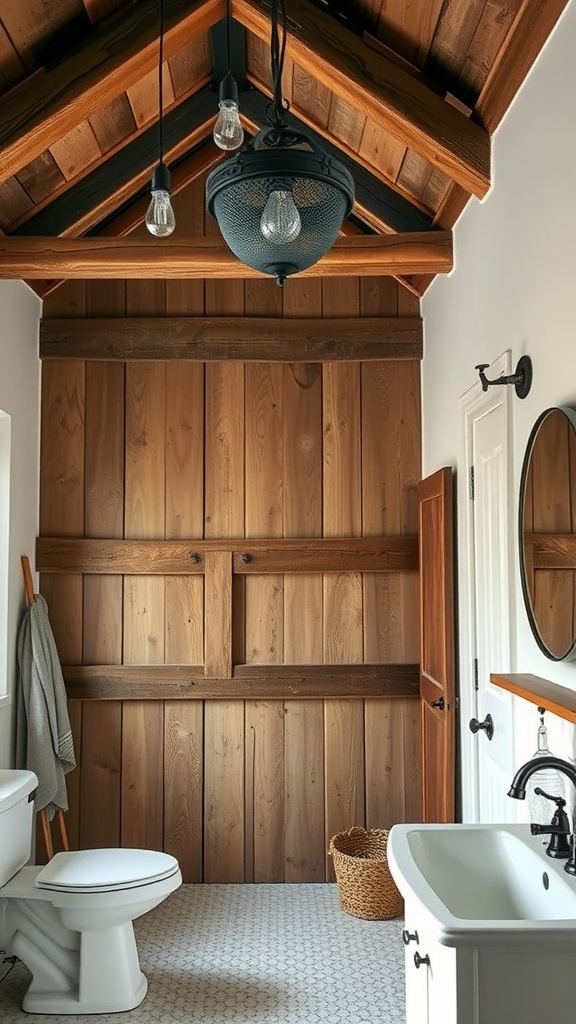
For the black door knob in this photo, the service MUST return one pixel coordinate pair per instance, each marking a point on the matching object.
(487, 726)
(419, 960)
(438, 703)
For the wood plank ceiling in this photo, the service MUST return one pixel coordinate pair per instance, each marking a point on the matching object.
(407, 94)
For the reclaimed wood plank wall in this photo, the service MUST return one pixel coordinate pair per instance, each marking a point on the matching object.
(238, 789)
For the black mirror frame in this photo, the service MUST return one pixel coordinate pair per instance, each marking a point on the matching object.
(570, 415)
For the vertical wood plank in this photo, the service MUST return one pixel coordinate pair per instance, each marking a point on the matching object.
(218, 614)
(391, 468)
(264, 799)
(385, 752)
(343, 640)
(101, 781)
(142, 774)
(184, 596)
(302, 439)
(183, 779)
(344, 778)
(224, 476)
(224, 791)
(144, 507)
(102, 617)
(264, 608)
(304, 788)
(62, 492)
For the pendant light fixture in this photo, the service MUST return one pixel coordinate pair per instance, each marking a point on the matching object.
(228, 132)
(280, 206)
(160, 219)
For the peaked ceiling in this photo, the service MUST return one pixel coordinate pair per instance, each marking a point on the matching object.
(406, 92)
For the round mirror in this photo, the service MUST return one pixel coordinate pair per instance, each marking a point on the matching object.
(547, 532)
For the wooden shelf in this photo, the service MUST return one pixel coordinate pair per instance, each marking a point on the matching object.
(555, 698)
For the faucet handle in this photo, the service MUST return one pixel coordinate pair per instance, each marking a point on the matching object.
(558, 800)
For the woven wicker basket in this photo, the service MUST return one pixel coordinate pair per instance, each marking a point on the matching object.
(365, 885)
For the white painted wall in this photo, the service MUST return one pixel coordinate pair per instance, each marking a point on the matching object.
(19, 399)
(513, 287)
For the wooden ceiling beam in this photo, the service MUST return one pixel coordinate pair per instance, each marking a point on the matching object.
(66, 258)
(52, 102)
(401, 104)
(245, 338)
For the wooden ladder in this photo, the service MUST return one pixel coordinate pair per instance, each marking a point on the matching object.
(43, 814)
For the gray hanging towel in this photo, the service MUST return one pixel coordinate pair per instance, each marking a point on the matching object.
(49, 749)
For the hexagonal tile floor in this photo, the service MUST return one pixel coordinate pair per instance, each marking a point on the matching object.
(260, 954)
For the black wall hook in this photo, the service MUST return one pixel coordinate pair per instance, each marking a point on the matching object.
(521, 378)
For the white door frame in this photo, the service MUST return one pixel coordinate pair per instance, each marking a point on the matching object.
(473, 402)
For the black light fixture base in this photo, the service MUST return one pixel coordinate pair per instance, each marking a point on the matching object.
(524, 373)
(521, 378)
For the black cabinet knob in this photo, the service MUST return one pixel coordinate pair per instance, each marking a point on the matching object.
(419, 960)
(487, 726)
(438, 703)
(408, 937)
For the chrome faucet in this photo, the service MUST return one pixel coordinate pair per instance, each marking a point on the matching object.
(560, 826)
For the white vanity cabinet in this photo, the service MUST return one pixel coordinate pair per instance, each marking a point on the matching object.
(431, 982)
(493, 982)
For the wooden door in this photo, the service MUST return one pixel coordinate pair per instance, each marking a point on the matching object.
(437, 672)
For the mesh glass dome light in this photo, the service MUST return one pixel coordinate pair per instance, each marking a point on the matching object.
(280, 207)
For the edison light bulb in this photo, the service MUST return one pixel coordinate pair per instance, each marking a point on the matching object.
(280, 221)
(228, 132)
(160, 219)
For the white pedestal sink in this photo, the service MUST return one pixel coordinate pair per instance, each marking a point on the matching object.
(490, 926)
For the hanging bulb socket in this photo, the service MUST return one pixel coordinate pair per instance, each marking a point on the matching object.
(228, 89)
(160, 178)
(228, 132)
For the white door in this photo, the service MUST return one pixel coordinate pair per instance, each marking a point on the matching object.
(488, 567)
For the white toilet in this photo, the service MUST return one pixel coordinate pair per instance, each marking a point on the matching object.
(70, 922)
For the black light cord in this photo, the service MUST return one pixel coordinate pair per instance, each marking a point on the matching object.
(160, 84)
(228, 39)
(277, 52)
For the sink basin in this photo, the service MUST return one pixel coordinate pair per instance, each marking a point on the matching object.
(479, 879)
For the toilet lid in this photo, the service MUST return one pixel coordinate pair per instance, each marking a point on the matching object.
(105, 870)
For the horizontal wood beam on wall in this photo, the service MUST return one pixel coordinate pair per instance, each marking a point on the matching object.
(119, 52)
(401, 104)
(169, 557)
(199, 258)
(246, 339)
(249, 682)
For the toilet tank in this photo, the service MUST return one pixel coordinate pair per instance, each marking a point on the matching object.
(17, 790)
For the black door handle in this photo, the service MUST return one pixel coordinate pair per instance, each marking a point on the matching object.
(487, 726)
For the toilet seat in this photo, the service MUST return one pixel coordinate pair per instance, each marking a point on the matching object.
(109, 870)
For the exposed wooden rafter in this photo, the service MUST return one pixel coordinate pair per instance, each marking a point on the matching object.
(115, 181)
(40, 258)
(397, 101)
(377, 203)
(121, 51)
(243, 338)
